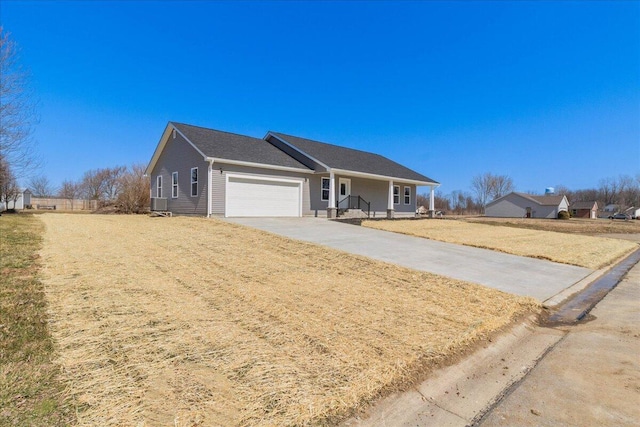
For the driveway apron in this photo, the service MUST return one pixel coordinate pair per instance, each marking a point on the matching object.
(532, 277)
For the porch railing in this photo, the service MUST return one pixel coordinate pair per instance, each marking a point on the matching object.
(354, 202)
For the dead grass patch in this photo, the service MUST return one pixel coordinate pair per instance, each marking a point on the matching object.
(573, 226)
(30, 391)
(185, 321)
(584, 251)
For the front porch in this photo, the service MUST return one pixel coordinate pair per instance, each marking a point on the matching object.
(374, 196)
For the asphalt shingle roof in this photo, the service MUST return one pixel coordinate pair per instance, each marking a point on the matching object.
(231, 146)
(338, 157)
(582, 205)
(544, 200)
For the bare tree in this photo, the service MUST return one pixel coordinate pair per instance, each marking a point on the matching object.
(40, 186)
(102, 184)
(93, 184)
(69, 190)
(488, 187)
(134, 194)
(112, 182)
(8, 185)
(17, 110)
(608, 191)
(502, 185)
(481, 186)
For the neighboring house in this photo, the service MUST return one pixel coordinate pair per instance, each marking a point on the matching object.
(24, 199)
(633, 212)
(612, 207)
(199, 171)
(521, 205)
(584, 210)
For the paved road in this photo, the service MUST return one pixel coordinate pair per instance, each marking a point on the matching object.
(591, 377)
(518, 275)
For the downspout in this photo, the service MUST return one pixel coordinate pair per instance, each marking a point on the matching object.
(209, 186)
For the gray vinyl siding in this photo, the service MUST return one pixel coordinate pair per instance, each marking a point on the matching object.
(179, 156)
(219, 177)
(217, 192)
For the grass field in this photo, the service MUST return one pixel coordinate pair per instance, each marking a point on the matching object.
(575, 249)
(31, 393)
(574, 225)
(186, 321)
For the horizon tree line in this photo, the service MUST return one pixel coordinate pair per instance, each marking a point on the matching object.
(623, 191)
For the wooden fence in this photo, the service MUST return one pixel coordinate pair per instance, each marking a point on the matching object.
(41, 203)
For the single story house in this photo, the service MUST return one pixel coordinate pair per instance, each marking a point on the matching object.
(633, 212)
(521, 205)
(584, 210)
(23, 199)
(200, 171)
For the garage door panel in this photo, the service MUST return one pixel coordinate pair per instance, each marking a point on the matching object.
(256, 197)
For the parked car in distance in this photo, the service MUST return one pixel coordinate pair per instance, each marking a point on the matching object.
(619, 216)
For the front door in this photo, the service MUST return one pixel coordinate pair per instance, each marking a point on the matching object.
(344, 190)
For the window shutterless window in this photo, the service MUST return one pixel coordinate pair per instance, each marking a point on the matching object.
(174, 184)
(194, 182)
(159, 186)
(407, 195)
(325, 189)
(396, 194)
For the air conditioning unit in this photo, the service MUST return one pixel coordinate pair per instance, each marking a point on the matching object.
(158, 204)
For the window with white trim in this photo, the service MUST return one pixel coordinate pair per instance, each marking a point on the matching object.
(407, 195)
(396, 194)
(194, 182)
(174, 185)
(159, 186)
(324, 196)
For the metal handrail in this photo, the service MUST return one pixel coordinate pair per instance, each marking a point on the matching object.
(358, 202)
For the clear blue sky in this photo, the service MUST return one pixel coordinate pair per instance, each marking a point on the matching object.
(546, 92)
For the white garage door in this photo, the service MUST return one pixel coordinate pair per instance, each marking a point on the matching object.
(247, 196)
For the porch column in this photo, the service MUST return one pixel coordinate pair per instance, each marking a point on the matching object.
(432, 203)
(331, 206)
(390, 201)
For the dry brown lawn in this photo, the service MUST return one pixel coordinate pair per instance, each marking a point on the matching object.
(574, 225)
(191, 321)
(584, 251)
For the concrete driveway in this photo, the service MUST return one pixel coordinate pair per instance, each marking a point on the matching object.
(510, 273)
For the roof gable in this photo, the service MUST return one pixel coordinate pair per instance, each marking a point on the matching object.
(230, 146)
(349, 159)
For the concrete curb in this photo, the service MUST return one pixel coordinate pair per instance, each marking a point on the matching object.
(567, 293)
(562, 296)
(462, 393)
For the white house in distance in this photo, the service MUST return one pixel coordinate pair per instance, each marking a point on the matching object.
(522, 205)
(23, 199)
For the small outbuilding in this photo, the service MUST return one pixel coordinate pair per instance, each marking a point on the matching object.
(21, 200)
(584, 210)
(522, 205)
